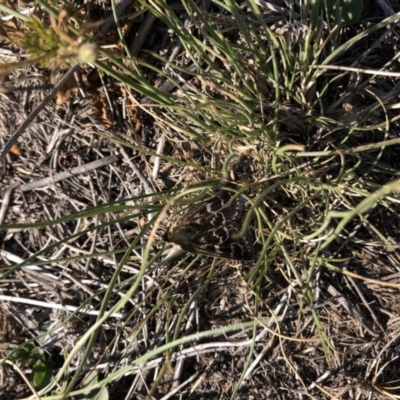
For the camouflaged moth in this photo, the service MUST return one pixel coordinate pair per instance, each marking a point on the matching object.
(213, 228)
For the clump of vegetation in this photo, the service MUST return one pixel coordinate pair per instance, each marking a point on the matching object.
(292, 110)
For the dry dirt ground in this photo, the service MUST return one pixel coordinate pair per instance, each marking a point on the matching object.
(330, 332)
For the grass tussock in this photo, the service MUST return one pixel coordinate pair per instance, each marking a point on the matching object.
(293, 106)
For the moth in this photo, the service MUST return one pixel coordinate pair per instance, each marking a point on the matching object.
(213, 228)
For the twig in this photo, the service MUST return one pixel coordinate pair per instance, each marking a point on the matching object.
(142, 34)
(46, 304)
(35, 112)
(168, 86)
(23, 376)
(366, 303)
(146, 184)
(68, 174)
(385, 7)
(349, 307)
(282, 303)
(181, 386)
(110, 20)
(6, 201)
(180, 365)
(160, 149)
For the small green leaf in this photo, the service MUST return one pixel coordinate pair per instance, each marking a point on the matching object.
(17, 352)
(347, 11)
(41, 373)
(38, 354)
